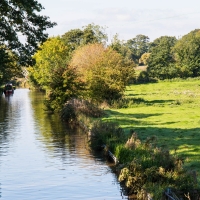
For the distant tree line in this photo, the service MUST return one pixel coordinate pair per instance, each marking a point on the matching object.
(172, 58)
(166, 57)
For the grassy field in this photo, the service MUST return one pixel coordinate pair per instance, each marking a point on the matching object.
(169, 110)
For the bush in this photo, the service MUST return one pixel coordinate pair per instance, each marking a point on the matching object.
(149, 167)
(106, 133)
(75, 107)
(68, 112)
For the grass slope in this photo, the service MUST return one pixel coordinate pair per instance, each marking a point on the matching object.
(170, 111)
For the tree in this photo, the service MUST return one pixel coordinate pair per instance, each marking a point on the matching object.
(8, 65)
(144, 58)
(90, 34)
(121, 47)
(84, 59)
(51, 57)
(95, 33)
(73, 38)
(53, 73)
(20, 17)
(138, 46)
(104, 71)
(187, 54)
(161, 63)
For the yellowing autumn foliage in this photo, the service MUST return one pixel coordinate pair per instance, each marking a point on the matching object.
(104, 71)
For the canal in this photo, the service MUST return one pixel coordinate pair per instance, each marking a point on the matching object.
(41, 158)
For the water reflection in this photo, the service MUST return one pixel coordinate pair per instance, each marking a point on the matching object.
(42, 158)
(9, 116)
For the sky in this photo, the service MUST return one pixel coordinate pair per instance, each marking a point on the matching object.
(127, 18)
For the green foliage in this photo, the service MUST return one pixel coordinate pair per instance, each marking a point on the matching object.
(124, 155)
(22, 18)
(110, 76)
(68, 112)
(52, 73)
(106, 133)
(50, 59)
(76, 107)
(171, 58)
(63, 86)
(161, 63)
(144, 58)
(104, 72)
(143, 77)
(8, 65)
(94, 34)
(187, 54)
(138, 46)
(121, 48)
(73, 38)
(125, 103)
(90, 34)
(153, 166)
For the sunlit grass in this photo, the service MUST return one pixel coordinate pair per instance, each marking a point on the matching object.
(169, 110)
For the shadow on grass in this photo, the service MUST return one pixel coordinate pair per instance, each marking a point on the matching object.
(134, 118)
(185, 142)
(140, 100)
(181, 141)
(133, 115)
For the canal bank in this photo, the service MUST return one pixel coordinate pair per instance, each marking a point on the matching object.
(145, 169)
(42, 158)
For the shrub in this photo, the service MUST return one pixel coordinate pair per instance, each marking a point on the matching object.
(148, 167)
(75, 107)
(106, 133)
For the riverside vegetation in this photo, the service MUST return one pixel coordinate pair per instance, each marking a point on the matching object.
(151, 128)
(154, 133)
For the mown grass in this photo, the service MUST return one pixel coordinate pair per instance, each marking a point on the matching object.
(169, 110)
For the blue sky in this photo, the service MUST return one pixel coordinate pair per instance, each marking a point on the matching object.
(127, 18)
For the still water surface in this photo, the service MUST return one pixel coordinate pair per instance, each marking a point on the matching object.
(43, 159)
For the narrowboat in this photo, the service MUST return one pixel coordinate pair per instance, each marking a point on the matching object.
(8, 89)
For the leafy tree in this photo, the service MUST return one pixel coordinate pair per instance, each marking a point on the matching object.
(104, 71)
(121, 47)
(90, 34)
(138, 46)
(65, 85)
(53, 74)
(94, 34)
(187, 54)
(73, 38)
(9, 67)
(21, 17)
(161, 63)
(144, 58)
(85, 58)
(51, 57)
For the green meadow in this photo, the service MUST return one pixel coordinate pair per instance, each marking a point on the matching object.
(169, 110)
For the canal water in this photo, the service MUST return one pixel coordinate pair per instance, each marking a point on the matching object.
(43, 159)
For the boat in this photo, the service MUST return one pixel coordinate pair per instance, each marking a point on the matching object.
(8, 89)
